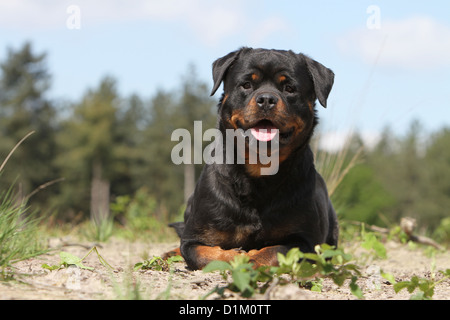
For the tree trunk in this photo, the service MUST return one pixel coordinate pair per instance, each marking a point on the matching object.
(99, 194)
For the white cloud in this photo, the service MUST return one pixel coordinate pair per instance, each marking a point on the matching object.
(333, 141)
(210, 21)
(31, 14)
(28, 14)
(416, 43)
(267, 28)
(214, 23)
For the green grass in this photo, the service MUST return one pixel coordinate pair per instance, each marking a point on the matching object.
(19, 236)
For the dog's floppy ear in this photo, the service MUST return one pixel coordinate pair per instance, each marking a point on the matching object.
(220, 67)
(323, 79)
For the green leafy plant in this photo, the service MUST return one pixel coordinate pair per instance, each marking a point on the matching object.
(245, 278)
(442, 232)
(141, 216)
(306, 269)
(67, 259)
(157, 264)
(327, 262)
(372, 244)
(424, 287)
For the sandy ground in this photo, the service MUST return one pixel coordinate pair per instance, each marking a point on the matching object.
(31, 281)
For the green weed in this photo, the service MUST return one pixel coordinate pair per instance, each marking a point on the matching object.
(373, 244)
(157, 264)
(442, 232)
(245, 279)
(99, 231)
(306, 269)
(425, 287)
(67, 259)
(327, 262)
(19, 238)
(141, 217)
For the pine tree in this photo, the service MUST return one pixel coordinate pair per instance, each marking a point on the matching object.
(195, 105)
(89, 151)
(24, 81)
(436, 185)
(172, 184)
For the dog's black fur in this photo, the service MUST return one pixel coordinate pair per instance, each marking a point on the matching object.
(236, 210)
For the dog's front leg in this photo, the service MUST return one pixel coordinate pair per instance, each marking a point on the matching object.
(266, 256)
(198, 256)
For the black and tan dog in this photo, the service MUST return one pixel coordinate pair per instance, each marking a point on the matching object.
(235, 210)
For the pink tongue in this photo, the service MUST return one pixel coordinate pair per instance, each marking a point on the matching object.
(264, 131)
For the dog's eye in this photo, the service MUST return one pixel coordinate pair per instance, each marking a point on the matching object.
(246, 85)
(289, 89)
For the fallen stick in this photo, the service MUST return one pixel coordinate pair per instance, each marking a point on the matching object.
(408, 225)
(371, 227)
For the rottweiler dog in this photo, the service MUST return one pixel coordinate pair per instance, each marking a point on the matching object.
(236, 210)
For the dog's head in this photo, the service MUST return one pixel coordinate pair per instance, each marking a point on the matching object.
(268, 91)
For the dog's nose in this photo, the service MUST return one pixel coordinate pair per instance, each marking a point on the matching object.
(266, 101)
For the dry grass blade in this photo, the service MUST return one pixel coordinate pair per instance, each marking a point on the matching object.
(14, 149)
(340, 171)
(43, 186)
(334, 166)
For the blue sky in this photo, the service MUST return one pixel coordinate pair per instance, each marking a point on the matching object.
(391, 58)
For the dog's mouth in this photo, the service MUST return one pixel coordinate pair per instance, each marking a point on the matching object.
(265, 130)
